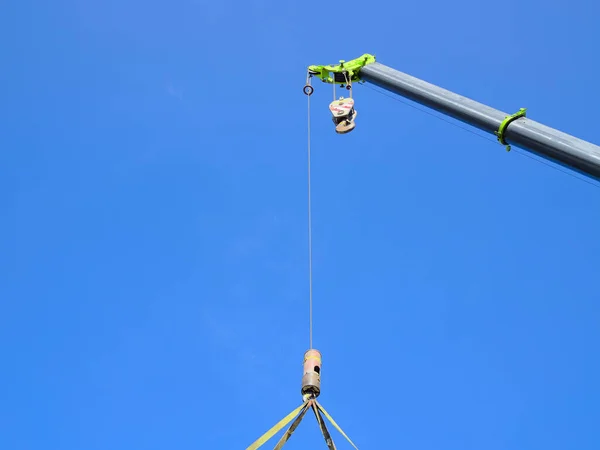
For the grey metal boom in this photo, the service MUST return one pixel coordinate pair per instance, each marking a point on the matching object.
(554, 145)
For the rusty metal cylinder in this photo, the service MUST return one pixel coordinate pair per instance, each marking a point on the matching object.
(311, 378)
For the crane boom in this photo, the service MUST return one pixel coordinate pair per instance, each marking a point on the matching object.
(561, 148)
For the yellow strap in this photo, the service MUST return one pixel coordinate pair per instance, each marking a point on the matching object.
(292, 427)
(313, 357)
(334, 424)
(273, 431)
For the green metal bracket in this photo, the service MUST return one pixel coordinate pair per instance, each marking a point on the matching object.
(352, 69)
(507, 120)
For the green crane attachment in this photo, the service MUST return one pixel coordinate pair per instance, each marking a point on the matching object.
(344, 72)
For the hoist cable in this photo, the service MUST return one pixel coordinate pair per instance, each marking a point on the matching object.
(310, 277)
(310, 400)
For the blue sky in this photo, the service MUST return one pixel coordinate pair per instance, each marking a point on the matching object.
(153, 244)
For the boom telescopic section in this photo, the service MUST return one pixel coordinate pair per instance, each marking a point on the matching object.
(516, 129)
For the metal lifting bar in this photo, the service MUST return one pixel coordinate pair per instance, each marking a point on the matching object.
(569, 151)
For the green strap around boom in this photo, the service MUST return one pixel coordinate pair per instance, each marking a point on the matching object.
(352, 68)
(507, 120)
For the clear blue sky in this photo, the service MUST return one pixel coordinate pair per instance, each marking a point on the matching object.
(153, 242)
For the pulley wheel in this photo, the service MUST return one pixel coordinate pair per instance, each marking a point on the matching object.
(345, 127)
